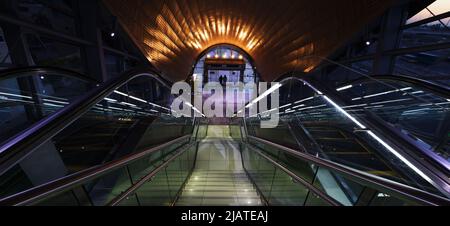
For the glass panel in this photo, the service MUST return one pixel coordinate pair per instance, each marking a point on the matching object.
(436, 8)
(167, 182)
(432, 66)
(315, 124)
(300, 168)
(132, 200)
(339, 188)
(176, 175)
(27, 97)
(280, 134)
(286, 191)
(428, 34)
(54, 14)
(49, 52)
(20, 179)
(235, 132)
(65, 199)
(260, 171)
(114, 64)
(5, 59)
(156, 192)
(106, 188)
(415, 111)
(382, 199)
(128, 121)
(314, 200)
(343, 188)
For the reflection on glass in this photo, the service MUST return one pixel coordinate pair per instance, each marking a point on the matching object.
(128, 121)
(317, 125)
(28, 97)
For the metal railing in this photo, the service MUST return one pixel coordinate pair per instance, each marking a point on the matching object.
(372, 181)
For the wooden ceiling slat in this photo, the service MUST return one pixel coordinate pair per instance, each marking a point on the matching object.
(279, 35)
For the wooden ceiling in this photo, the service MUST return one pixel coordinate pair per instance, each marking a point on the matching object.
(278, 34)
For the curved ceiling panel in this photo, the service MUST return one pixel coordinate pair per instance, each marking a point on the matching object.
(279, 35)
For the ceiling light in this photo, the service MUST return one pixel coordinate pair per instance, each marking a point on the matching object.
(344, 88)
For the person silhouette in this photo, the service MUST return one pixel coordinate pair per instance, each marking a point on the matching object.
(221, 80)
(225, 80)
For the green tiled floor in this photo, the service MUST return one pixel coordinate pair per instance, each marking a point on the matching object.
(219, 178)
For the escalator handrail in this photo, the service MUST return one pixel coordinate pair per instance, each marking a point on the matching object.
(438, 89)
(61, 185)
(18, 146)
(24, 71)
(377, 182)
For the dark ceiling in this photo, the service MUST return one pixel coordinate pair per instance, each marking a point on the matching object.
(278, 34)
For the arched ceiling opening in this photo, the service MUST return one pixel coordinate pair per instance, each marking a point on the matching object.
(279, 35)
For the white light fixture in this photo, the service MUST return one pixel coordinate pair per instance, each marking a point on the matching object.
(112, 34)
(15, 95)
(344, 88)
(287, 105)
(309, 98)
(55, 101)
(52, 105)
(110, 100)
(138, 99)
(345, 113)
(120, 93)
(263, 95)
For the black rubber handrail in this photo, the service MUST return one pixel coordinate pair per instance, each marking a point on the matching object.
(25, 71)
(438, 89)
(378, 183)
(18, 147)
(67, 183)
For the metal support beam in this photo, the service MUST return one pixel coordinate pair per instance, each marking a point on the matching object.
(389, 39)
(95, 58)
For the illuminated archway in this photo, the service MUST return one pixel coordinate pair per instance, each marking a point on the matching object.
(225, 52)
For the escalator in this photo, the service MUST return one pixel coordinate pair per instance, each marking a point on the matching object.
(322, 123)
(118, 144)
(218, 177)
(421, 113)
(338, 144)
(163, 176)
